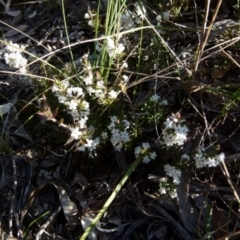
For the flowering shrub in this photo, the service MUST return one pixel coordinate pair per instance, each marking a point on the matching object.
(96, 102)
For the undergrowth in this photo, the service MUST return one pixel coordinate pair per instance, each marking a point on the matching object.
(130, 92)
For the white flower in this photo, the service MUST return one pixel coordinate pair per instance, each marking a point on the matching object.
(90, 23)
(13, 57)
(185, 157)
(119, 136)
(55, 89)
(126, 123)
(124, 65)
(83, 121)
(87, 16)
(145, 146)
(124, 136)
(125, 78)
(113, 94)
(153, 155)
(74, 92)
(13, 47)
(175, 132)
(126, 20)
(146, 155)
(75, 115)
(72, 105)
(202, 160)
(155, 98)
(140, 12)
(16, 60)
(173, 193)
(221, 157)
(113, 119)
(112, 49)
(104, 135)
(173, 172)
(146, 159)
(89, 79)
(164, 102)
(167, 15)
(75, 133)
(91, 146)
(162, 190)
(65, 84)
(137, 151)
(159, 18)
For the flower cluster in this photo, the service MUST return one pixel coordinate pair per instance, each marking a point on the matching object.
(173, 172)
(14, 58)
(129, 18)
(73, 98)
(175, 132)
(156, 99)
(113, 49)
(96, 88)
(119, 134)
(88, 17)
(165, 16)
(145, 153)
(202, 160)
(91, 146)
(165, 187)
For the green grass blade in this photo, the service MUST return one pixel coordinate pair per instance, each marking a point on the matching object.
(112, 197)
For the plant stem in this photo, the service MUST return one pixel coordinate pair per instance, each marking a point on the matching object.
(112, 197)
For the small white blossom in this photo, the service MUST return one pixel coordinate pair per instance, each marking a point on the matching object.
(104, 135)
(72, 105)
(89, 79)
(159, 18)
(164, 102)
(221, 157)
(173, 193)
(126, 123)
(139, 12)
(185, 157)
(113, 49)
(87, 16)
(145, 146)
(126, 20)
(146, 159)
(125, 78)
(75, 133)
(91, 146)
(155, 98)
(90, 23)
(167, 15)
(153, 155)
(74, 92)
(162, 190)
(113, 94)
(124, 65)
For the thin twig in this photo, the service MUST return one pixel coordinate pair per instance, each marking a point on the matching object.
(206, 34)
(226, 173)
(230, 57)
